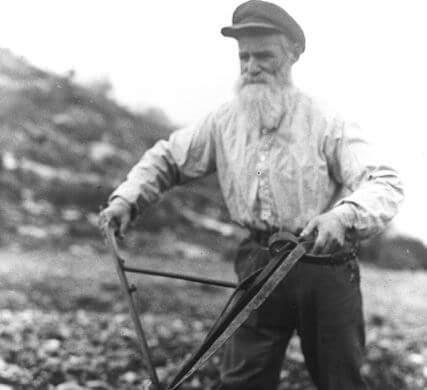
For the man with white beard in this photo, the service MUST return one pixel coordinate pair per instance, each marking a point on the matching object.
(260, 95)
(283, 163)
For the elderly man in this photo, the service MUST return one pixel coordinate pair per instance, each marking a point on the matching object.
(283, 163)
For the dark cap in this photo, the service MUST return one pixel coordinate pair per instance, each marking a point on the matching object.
(262, 16)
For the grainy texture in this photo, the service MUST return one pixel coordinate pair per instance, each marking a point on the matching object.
(63, 320)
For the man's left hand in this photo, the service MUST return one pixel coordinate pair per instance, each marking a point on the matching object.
(329, 232)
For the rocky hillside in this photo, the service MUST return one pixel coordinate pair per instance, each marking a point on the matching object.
(63, 148)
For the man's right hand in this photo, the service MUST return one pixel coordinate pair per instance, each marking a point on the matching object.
(117, 215)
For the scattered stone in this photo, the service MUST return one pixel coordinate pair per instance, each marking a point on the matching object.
(129, 377)
(69, 386)
(32, 231)
(97, 385)
(51, 346)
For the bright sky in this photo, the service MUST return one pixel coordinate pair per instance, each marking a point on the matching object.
(366, 57)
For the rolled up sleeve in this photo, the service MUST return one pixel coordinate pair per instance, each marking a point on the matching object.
(376, 190)
(189, 153)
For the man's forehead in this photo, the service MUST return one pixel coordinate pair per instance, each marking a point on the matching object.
(260, 41)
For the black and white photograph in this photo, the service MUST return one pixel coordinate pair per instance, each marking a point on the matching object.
(213, 195)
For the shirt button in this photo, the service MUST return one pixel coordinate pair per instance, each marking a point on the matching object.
(265, 214)
(258, 173)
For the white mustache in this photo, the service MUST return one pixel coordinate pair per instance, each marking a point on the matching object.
(254, 80)
(264, 79)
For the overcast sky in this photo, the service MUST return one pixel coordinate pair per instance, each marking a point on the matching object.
(367, 58)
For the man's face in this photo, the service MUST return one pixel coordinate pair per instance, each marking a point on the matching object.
(265, 67)
(264, 58)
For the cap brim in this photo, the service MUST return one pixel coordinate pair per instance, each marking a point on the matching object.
(247, 28)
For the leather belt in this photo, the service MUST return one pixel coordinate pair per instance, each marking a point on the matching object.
(347, 253)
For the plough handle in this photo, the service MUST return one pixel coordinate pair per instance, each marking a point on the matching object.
(128, 290)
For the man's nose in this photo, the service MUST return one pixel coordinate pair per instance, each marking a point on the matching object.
(253, 67)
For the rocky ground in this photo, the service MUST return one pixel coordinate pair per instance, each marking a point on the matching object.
(64, 324)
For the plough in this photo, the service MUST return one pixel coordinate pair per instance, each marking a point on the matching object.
(247, 296)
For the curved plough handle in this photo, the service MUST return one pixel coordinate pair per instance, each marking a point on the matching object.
(110, 238)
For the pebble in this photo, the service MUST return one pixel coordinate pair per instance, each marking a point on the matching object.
(69, 386)
(129, 377)
(98, 385)
(51, 345)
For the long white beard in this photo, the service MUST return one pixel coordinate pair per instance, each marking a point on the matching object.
(261, 105)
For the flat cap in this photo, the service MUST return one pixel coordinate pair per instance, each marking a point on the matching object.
(261, 16)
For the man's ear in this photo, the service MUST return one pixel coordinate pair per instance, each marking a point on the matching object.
(296, 52)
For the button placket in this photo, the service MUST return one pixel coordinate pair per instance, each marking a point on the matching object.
(265, 195)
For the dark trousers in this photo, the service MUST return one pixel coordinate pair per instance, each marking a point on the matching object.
(322, 303)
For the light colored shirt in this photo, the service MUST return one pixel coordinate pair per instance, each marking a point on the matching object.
(312, 162)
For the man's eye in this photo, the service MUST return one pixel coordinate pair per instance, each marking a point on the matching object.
(264, 56)
(243, 57)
